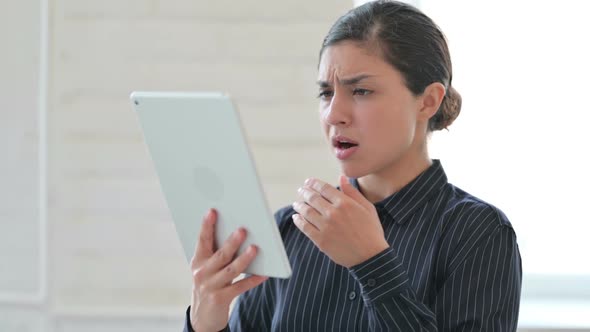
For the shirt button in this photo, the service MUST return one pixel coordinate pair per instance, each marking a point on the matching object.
(352, 296)
(371, 282)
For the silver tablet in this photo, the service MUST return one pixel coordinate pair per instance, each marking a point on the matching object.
(202, 159)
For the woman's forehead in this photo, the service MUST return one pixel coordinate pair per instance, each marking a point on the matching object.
(346, 61)
(346, 53)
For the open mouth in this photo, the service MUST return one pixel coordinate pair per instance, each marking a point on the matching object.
(343, 142)
(345, 145)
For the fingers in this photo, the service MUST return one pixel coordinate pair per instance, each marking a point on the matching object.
(206, 243)
(244, 285)
(215, 277)
(327, 191)
(227, 252)
(306, 227)
(308, 213)
(235, 268)
(314, 199)
(353, 193)
(313, 207)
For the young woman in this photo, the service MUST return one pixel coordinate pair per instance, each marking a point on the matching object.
(395, 247)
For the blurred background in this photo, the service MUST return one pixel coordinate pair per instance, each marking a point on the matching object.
(86, 240)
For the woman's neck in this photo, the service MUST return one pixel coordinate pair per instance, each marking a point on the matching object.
(377, 186)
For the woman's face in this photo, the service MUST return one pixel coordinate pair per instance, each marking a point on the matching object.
(367, 113)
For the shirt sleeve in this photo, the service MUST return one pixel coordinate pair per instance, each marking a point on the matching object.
(253, 310)
(481, 293)
(187, 323)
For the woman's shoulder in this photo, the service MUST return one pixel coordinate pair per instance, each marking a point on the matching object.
(470, 222)
(471, 225)
(468, 208)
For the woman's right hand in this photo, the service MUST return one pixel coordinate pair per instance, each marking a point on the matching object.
(213, 272)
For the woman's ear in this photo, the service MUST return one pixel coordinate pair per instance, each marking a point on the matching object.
(431, 99)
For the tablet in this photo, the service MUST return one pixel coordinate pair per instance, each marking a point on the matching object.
(202, 160)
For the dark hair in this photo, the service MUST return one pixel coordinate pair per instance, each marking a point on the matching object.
(408, 40)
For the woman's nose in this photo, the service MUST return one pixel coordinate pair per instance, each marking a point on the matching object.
(338, 112)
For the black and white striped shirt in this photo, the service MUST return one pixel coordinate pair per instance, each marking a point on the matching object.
(453, 265)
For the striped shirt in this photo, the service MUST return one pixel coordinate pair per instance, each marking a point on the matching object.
(453, 265)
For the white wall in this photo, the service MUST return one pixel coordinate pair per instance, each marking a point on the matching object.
(114, 260)
(18, 173)
(21, 275)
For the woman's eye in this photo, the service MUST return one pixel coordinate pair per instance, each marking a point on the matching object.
(325, 94)
(361, 92)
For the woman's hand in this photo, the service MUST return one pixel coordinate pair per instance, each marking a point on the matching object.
(342, 224)
(213, 272)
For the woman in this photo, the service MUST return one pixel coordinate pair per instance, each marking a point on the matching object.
(396, 247)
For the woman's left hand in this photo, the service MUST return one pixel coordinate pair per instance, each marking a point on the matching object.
(343, 224)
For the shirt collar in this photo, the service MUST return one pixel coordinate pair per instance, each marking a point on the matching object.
(401, 204)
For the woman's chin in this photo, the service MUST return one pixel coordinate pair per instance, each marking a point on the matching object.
(350, 171)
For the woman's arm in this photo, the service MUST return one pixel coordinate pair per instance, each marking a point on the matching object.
(482, 292)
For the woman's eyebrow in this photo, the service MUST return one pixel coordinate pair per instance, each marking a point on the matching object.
(345, 81)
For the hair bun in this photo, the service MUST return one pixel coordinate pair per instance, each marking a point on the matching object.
(448, 111)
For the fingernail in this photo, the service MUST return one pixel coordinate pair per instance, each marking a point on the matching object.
(307, 181)
(300, 190)
(238, 232)
(209, 217)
